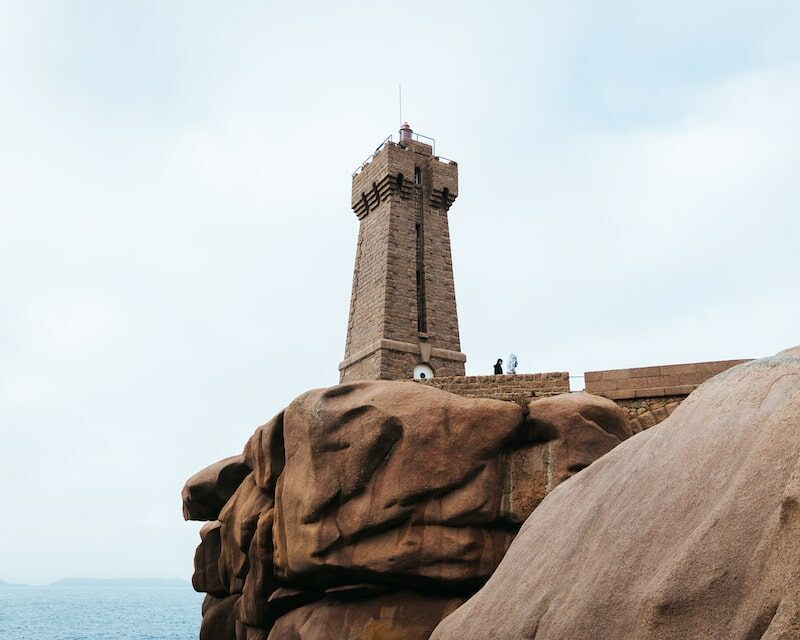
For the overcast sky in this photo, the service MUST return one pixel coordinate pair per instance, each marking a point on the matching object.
(176, 242)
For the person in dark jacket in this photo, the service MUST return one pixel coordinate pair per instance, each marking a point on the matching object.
(498, 367)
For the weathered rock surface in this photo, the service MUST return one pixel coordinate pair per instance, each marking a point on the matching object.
(207, 491)
(585, 427)
(393, 482)
(397, 616)
(239, 520)
(373, 509)
(219, 621)
(688, 530)
(206, 578)
(252, 608)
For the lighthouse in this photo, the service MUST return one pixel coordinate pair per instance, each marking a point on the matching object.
(403, 321)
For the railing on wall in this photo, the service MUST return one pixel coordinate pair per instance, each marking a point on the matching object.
(417, 137)
(360, 168)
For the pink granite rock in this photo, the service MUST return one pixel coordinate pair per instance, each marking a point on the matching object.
(374, 507)
(207, 491)
(239, 520)
(690, 529)
(391, 481)
(206, 578)
(219, 620)
(583, 427)
(403, 615)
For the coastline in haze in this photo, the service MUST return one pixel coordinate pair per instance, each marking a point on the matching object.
(109, 582)
(3, 583)
(90, 609)
(120, 582)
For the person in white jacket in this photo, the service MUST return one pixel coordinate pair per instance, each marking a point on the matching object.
(512, 364)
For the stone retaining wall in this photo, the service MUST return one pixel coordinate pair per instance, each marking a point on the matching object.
(648, 412)
(517, 388)
(654, 382)
(648, 394)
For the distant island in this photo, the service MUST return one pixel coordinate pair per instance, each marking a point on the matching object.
(120, 582)
(3, 583)
(109, 582)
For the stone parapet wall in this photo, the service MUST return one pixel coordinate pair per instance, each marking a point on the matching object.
(517, 388)
(647, 394)
(654, 382)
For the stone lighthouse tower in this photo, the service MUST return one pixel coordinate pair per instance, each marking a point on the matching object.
(403, 321)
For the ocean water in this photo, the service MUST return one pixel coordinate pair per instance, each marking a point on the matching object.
(106, 613)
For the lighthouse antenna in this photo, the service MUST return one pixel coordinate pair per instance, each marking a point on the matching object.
(400, 100)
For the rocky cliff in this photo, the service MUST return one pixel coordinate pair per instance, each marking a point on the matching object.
(373, 510)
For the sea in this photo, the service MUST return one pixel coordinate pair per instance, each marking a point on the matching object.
(99, 613)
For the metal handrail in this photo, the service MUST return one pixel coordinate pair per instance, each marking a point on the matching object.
(369, 159)
(414, 136)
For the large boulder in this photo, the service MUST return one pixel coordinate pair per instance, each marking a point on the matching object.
(690, 529)
(206, 577)
(375, 508)
(395, 616)
(583, 427)
(207, 491)
(392, 481)
(219, 620)
(238, 523)
(259, 583)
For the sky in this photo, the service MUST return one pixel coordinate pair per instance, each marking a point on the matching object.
(177, 244)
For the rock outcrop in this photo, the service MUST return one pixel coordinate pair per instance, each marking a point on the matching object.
(399, 615)
(374, 509)
(691, 529)
(583, 428)
(207, 491)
